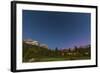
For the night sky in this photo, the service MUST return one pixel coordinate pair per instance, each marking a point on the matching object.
(57, 29)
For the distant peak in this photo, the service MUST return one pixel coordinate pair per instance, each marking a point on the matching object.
(34, 42)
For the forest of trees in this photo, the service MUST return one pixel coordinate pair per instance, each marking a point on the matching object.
(33, 53)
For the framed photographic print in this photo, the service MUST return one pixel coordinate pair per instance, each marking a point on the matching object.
(47, 36)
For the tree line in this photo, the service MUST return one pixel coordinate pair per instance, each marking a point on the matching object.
(37, 53)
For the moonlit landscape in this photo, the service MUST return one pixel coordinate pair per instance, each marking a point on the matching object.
(56, 36)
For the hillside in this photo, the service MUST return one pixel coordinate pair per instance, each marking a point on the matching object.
(34, 53)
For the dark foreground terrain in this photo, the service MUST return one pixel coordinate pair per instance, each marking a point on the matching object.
(33, 53)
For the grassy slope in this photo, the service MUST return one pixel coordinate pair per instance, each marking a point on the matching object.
(32, 53)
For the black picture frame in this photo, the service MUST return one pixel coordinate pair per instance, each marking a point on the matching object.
(14, 35)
